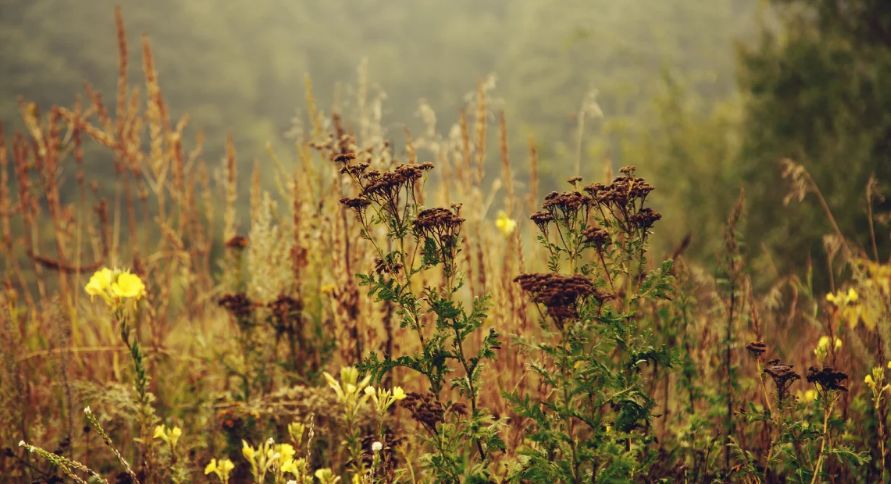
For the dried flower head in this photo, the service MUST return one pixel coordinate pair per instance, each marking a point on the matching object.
(285, 312)
(560, 294)
(564, 207)
(238, 304)
(425, 409)
(783, 376)
(827, 378)
(596, 236)
(645, 218)
(542, 218)
(756, 348)
(439, 228)
(237, 242)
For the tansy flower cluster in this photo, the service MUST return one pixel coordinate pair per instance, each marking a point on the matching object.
(115, 286)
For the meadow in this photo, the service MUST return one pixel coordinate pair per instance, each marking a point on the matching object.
(374, 307)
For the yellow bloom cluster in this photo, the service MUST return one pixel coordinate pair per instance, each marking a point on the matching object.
(221, 469)
(383, 399)
(875, 380)
(350, 391)
(169, 435)
(822, 349)
(279, 458)
(115, 286)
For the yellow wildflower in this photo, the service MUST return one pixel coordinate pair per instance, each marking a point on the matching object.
(291, 466)
(99, 284)
(247, 451)
(169, 435)
(505, 224)
(399, 393)
(128, 286)
(296, 430)
(326, 476)
(821, 351)
(807, 395)
(115, 286)
(221, 468)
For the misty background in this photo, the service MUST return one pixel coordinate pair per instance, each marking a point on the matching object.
(705, 97)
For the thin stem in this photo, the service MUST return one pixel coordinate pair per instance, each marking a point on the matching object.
(825, 438)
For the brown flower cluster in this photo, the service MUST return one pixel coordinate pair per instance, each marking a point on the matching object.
(596, 236)
(783, 376)
(385, 188)
(238, 304)
(756, 348)
(285, 313)
(443, 227)
(237, 242)
(560, 294)
(425, 409)
(566, 206)
(827, 378)
(624, 199)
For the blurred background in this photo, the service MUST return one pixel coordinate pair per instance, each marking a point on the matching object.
(705, 97)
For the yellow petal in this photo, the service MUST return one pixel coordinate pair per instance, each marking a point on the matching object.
(99, 282)
(128, 286)
(211, 467)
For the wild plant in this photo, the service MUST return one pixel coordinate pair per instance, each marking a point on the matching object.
(415, 241)
(591, 414)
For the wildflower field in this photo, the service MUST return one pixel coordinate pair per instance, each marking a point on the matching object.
(376, 305)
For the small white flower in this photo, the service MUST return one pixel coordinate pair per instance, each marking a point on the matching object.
(377, 446)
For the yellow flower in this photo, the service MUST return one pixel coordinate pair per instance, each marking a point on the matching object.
(290, 466)
(808, 395)
(398, 393)
(128, 286)
(296, 430)
(822, 349)
(115, 286)
(285, 451)
(247, 451)
(174, 435)
(99, 284)
(169, 435)
(869, 381)
(221, 468)
(505, 224)
(326, 475)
